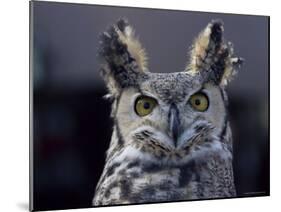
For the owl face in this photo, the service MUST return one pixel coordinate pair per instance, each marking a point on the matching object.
(172, 110)
(171, 114)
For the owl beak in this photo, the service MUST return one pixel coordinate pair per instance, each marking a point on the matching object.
(174, 122)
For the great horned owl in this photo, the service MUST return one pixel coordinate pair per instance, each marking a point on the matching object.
(171, 137)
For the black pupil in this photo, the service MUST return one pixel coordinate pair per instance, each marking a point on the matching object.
(146, 105)
(197, 102)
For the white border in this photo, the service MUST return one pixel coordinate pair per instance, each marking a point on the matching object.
(14, 110)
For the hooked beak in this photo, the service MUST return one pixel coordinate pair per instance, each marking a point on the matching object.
(174, 122)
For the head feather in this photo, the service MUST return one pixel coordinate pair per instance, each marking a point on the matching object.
(212, 57)
(124, 59)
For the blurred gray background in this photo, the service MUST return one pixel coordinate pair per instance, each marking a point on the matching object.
(71, 121)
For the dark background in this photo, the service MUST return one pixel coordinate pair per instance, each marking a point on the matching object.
(71, 124)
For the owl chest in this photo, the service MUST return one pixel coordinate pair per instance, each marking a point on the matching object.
(135, 182)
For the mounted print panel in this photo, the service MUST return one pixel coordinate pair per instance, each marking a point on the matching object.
(136, 106)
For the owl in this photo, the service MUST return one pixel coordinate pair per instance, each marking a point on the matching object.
(171, 137)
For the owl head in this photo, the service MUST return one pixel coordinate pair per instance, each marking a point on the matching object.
(168, 114)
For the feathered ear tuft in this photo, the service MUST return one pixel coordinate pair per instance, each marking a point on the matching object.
(124, 58)
(212, 57)
(127, 36)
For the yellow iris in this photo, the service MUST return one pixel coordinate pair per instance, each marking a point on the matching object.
(144, 105)
(199, 101)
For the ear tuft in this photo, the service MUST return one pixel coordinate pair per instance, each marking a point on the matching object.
(212, 57)
(205, 47)
(127, 35)
(120, 39)
(124, 59)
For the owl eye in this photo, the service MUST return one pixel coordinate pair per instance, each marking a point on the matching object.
(144, 105)
(199, 101)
